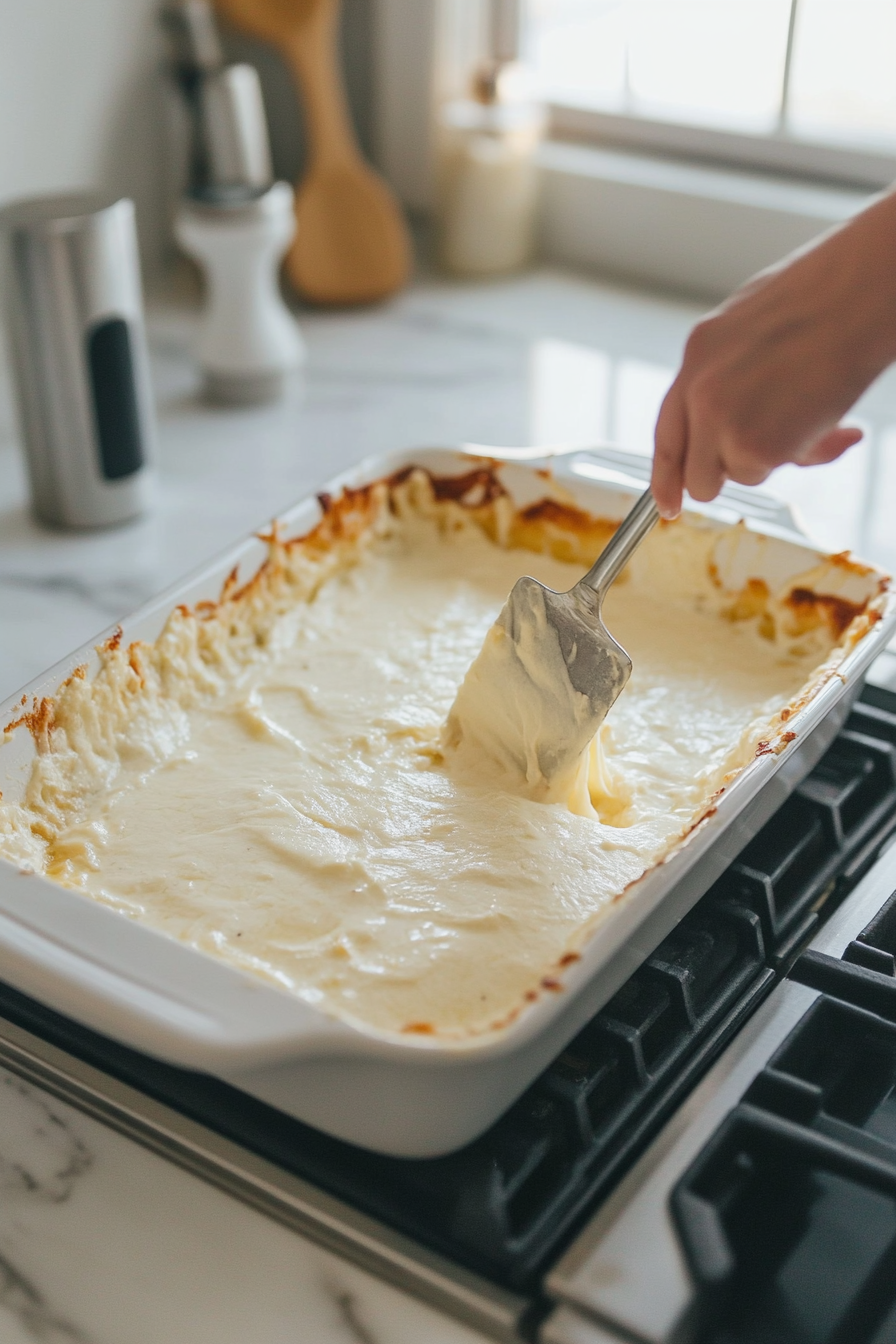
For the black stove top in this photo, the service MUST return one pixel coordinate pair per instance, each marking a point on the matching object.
(788, 1215)
(507, 1204)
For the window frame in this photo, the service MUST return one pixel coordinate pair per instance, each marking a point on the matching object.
(777, 152)
(836, 159)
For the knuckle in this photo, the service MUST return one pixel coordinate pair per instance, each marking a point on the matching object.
(747, 473)
(666, 451)
(708, 399)
(700, 341)
(747, 450)
(704, 476)
(703, 492)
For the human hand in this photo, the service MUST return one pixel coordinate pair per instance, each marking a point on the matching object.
(767, 376)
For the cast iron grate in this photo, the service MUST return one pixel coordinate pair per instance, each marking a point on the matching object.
(788, 1216)
(506, 1204)
(826, 834)
(791, 1236)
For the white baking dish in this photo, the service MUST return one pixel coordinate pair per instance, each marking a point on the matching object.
(415, 1096)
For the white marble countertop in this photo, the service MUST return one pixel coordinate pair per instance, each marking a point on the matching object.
(100, 1240)
(103, 1242)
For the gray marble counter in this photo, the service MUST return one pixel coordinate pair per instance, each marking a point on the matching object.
(99, 1239)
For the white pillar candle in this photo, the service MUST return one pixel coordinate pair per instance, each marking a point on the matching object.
(488, 185)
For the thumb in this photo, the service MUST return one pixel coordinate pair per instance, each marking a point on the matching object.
(830, 446)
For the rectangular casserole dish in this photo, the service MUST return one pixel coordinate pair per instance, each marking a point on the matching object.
(421, 1096)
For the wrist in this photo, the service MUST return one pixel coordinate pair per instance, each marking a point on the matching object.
(861, 276)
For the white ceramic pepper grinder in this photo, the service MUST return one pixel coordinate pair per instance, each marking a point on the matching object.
(487, 170)
(237, 224)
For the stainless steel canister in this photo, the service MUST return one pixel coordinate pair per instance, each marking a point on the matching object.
(74, 311)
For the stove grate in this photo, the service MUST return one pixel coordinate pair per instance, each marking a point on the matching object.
(829, 829)
(788, 1216)
(506, 1204)
(791, 1235)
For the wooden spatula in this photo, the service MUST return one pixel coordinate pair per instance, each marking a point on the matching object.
(351, 243)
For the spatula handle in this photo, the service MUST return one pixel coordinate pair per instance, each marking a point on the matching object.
(623, 544)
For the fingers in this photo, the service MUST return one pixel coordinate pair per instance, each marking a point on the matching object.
(745, 467)
(704, 473)
(830, 446)
(704, 467)
(708, 432)
(670, 441)
(707, 466)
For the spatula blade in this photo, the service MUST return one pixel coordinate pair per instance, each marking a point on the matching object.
(568, 655)
(548, 674)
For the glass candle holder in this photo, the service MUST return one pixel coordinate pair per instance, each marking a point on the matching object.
(488, 182)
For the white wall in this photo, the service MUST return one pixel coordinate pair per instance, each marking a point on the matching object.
(423, 51)
(404, 46)
(81, 105)
(85, 102)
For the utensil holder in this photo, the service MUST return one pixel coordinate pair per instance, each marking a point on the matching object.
(248, 341)
(74, 311)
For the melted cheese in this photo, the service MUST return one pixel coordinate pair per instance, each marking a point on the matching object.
(269, 785)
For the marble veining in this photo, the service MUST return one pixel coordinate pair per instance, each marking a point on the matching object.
(108, 597)
(42, 1158)
(20, 1300)
(104, 1242)
(41, 1154)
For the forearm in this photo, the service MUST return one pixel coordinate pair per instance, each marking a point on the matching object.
(853, 273)
(767, 377)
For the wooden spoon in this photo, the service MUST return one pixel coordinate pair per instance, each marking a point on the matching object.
(351, 243)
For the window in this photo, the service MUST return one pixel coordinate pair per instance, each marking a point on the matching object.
(800, 85)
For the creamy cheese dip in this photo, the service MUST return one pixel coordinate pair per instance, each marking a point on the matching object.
(268, 781)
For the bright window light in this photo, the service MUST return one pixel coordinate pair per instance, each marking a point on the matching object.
(807, 69)
(569, 391)
(577, 49)
(843, 76)
(716, 61)
(639, 389)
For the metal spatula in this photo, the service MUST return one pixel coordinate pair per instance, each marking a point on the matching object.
(561, 720)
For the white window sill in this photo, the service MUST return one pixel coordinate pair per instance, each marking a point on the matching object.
(690, 227)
